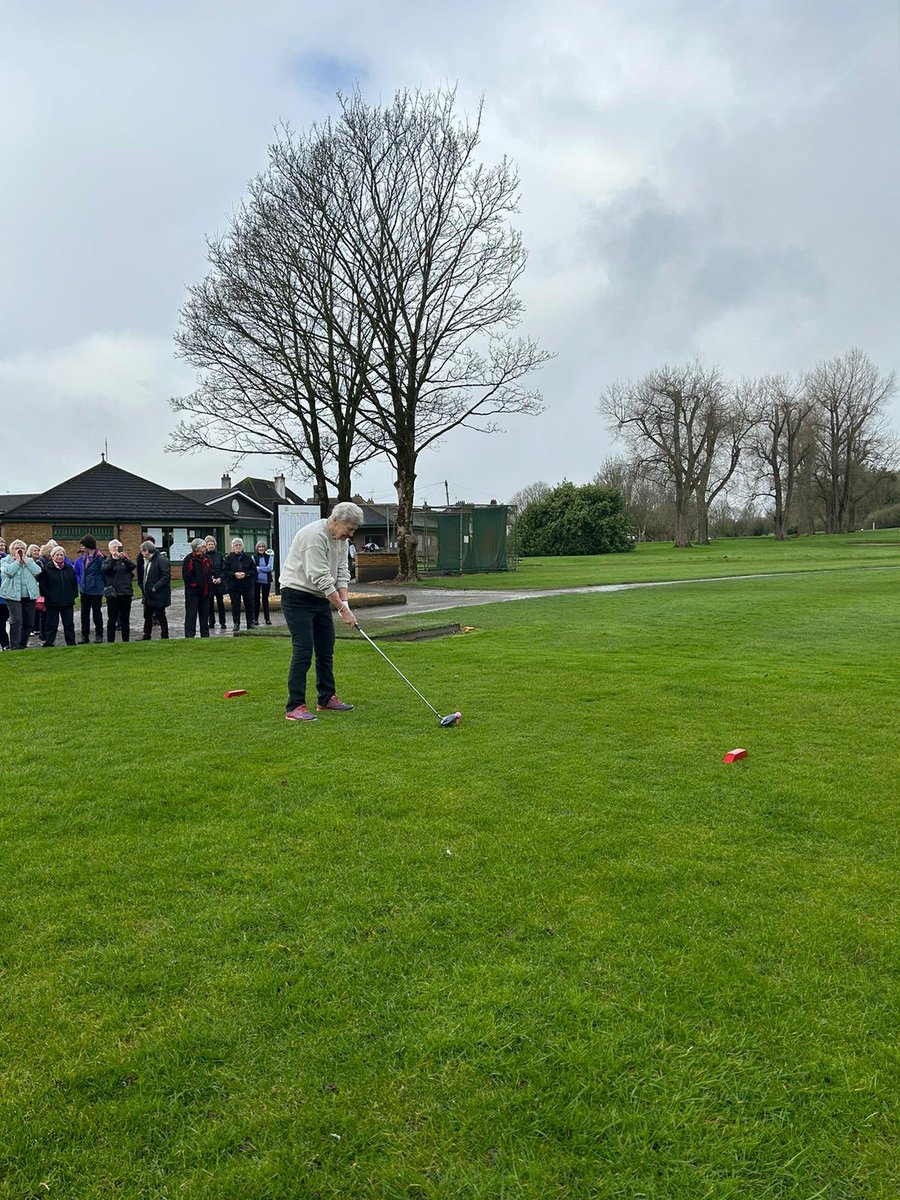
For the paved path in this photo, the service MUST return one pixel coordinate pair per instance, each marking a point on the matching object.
(427, 600)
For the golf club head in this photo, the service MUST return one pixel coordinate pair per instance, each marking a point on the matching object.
(452, 719)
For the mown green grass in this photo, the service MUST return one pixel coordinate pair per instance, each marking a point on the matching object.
(558, 951)
(654, 561)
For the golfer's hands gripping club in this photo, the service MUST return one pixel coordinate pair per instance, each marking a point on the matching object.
(346, 615)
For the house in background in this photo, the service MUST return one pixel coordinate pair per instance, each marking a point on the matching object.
(250, 504)
(108, 503)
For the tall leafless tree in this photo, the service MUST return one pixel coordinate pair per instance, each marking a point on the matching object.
(529, 494)
(848, 395)
(779, 444)
(648, 502)
(682, 423)
(423, 244)
(367, 291)
(276, 378)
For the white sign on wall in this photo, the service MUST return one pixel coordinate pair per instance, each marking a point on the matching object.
(289, 520)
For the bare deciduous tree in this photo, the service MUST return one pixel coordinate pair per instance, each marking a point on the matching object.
(779, 444)
(421, 243)
(848, 395)
(425, 243)
(682, 422)
(365, 292)
(648, 503)
(529, 494)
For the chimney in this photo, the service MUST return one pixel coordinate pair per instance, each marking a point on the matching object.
(226, 483)
(280, 487)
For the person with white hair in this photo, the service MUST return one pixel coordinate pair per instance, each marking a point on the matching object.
(240, 581)
(60, 591)
(196, 571)
(19, 587)
(315, 581)
(118, 572)
(264, 562)
(4, 611)
(156, 588)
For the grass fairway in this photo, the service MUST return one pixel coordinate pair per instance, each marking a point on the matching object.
(653, 561)
(560, 951)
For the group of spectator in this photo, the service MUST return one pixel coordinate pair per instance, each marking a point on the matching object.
(209, 575)
(39, 586)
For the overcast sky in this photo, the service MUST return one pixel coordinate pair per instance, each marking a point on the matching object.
(697, 176)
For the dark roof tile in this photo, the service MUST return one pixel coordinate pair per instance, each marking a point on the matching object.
(104, 493)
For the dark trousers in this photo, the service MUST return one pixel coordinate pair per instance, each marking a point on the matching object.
(91, 607)
(310, 620)
(238, 595)
(21, 622)
(4, 617)
(216, 597)
(66, 614)
(151, 611)
(118, 613)
(262, 601)
(196, 606)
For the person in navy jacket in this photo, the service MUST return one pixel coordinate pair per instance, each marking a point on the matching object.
(240, 577)
(89, 573)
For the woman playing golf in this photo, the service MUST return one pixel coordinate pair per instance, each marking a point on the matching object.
(314, 580)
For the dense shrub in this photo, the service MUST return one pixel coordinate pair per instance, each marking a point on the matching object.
(575, 520)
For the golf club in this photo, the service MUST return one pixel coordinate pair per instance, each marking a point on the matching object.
(450, 719)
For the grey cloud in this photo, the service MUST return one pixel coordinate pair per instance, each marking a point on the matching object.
(716, 177)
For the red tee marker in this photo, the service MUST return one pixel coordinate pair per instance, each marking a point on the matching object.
(242, 692)
(734, 755)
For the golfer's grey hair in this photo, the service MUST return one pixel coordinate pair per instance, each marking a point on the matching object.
(238, 542)
(346, 511)
(151, 546)
(197, 543)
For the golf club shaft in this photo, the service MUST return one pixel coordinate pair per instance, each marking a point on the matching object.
(399, 672)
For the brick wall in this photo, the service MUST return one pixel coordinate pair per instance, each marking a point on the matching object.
(30, 531)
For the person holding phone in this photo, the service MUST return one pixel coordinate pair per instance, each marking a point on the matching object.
(118, 572)
(4, 611)
(19, 588)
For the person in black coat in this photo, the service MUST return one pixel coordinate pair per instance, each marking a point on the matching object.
(240, 577)
(155, 581)
(59, 588)
(118, 572)
(217, 595)
(196, 570)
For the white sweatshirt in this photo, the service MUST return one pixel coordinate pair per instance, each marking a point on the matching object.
(316, 561)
